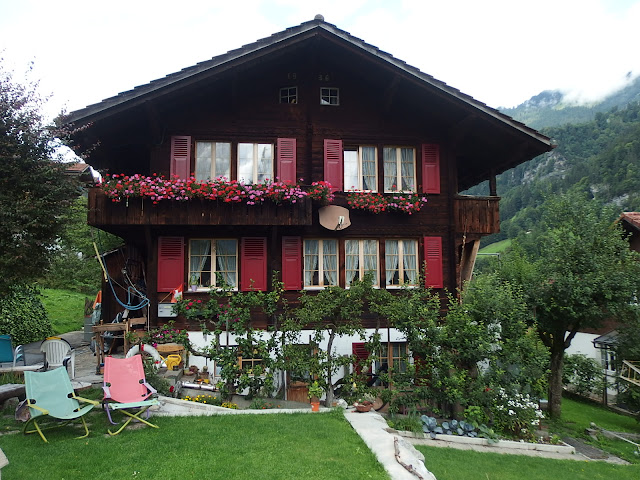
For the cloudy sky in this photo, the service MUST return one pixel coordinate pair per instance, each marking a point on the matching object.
(501, 52)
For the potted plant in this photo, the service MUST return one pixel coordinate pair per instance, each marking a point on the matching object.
(315, 392)
(194, 282)
(363, 404)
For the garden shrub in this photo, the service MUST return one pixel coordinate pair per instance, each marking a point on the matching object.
(583, 373)
(23, 316)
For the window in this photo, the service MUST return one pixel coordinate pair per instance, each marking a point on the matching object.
(289, 95)
(392, 355)
(401, 262)
(255, 162)
(361, 257)
(213, 160)
(320, 263)
(212, 262)
(360, 169)
(608, 357)
(329, 96)
(399, 169)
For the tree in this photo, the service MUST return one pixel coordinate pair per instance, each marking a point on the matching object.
(577, 271)
(34, 191)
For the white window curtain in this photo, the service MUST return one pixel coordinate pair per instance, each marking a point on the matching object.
(223, 160)
(409, 261)
(200, 258)
(369, 168)
(245, 162)
(351, 260)
(391, 260)
(370, 252)
(330, 262)
(203, 160)
(226, 260)
(390, 170)
(265, 162)
(311, 262)
(408, 169)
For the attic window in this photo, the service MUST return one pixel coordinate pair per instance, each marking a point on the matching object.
(289, 95)
(329, 96)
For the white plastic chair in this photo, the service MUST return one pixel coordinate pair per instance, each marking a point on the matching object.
(58, 353)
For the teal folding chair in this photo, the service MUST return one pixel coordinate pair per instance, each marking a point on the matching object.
(8, 354)
(52, 402)
(126, 390)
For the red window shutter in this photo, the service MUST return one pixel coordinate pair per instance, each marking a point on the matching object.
(292, 263)
(433, 259)
(333, 161)
(170, 263)
(180, 156)
(253, 257)
(361, 354)
(430, 168)
(286, 157)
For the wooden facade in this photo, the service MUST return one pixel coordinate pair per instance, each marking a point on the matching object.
(310, 93)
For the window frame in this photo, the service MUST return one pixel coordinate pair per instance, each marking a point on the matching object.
(285, 93)
(255, 163)
(401, 268)
(213, 159)
(398, 168)
(320, 263)
(213, 248)
(360, 168)
(330, 96)
(361, 261)
(402, 357)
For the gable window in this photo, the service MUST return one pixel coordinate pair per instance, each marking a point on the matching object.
(360, 169)
(289, 95)
(399, 169)
(320, 263)
(401, 262)
(361, 257)
(213, 160)
(213, 262)
(329, 96)
(255, 162)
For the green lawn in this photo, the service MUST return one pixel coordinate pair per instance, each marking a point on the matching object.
(497, 247)
(278, 446)
(65, 309)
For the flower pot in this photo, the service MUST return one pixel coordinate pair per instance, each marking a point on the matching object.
(360, 407)
(194, 288)
(315, 406)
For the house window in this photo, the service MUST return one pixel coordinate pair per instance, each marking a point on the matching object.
(248, 364)
(360, 169)
(213, 160)
(399, 169)
(329, 96)
(401, 262)
(255, 162)
(289, 95)
(361, 257)
(213, 262)
(320, 263)
(392, 355)
(608, 357)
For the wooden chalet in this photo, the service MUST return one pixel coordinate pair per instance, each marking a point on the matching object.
(314, 103)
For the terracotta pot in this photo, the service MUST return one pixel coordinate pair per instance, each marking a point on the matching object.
(315, 406)
(363, 408)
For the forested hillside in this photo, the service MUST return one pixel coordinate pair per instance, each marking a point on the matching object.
(601, 157)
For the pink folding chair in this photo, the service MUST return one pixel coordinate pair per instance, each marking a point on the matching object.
(126, 389)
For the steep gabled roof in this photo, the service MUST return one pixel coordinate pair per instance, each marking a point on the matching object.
(474, 166)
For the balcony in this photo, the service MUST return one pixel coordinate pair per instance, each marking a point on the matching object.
(476, 215)
(137, 211)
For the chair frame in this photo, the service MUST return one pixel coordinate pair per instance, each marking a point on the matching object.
(64, 391)
(111, 404)
(69, 359)
(18, 352)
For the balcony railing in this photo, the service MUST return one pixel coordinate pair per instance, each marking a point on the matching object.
(137, 211)
(477, 215)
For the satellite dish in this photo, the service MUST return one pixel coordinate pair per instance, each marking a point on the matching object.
(334, 217)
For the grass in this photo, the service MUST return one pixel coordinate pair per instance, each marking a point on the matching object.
(65, 309)
(279, 446)
(452, 464)
(577, 416)
(497, 247)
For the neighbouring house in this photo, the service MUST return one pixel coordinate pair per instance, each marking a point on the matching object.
(599, 344)
(307, 105)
